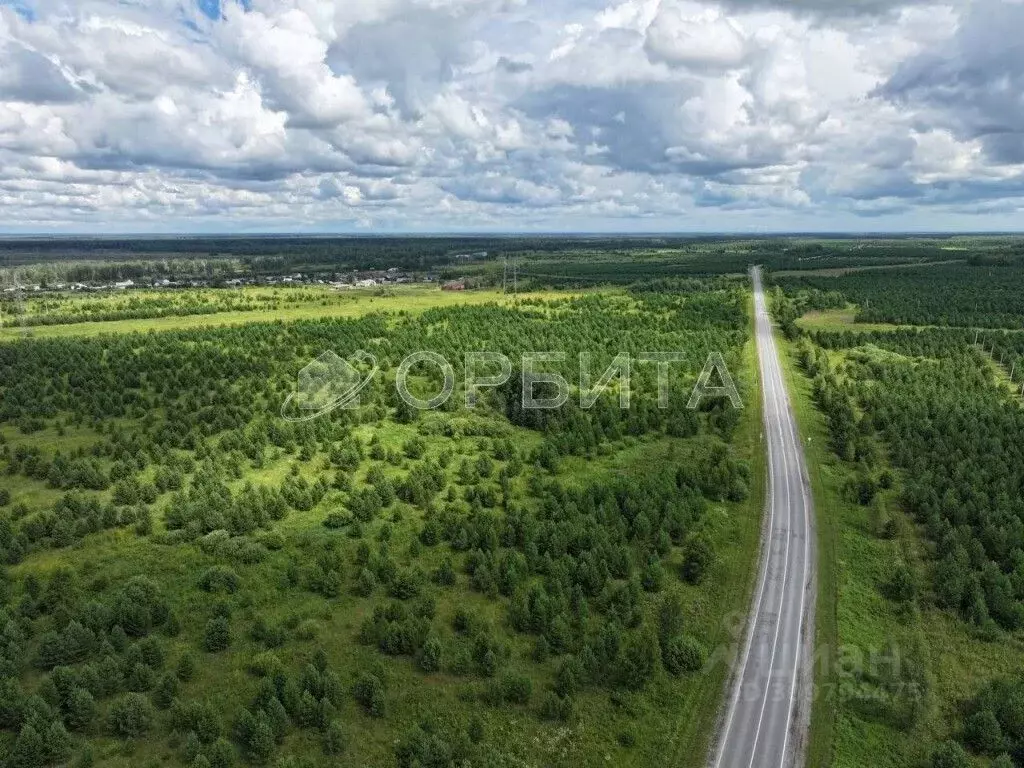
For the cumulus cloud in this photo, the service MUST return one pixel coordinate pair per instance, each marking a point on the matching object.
(562, 114)
(703, 38)
(973, 83)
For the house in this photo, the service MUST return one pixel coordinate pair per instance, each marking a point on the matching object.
(454, 285)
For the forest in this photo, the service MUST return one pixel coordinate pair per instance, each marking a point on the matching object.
(540, 261)
(924, 423)
(190, 579)
(969, 294)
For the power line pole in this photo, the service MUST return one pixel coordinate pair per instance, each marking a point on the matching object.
(504, 276)
(515, 277)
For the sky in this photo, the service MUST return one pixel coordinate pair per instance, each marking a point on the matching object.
(165, 116)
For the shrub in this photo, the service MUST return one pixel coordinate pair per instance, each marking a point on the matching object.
(335, 740)
(516, 688)
(567, 678)
(130, 716)
(983, 734)
(554, 707)
(950, 755)
(698, 555)
(475, 729)
(430, 655)
(165, 692)
(683, 653)
(336, 520)
(186, 667)
(217, 636)
(369, 692)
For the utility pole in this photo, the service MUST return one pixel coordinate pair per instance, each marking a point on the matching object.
(515, 277)
(976, 334)
(504, 276)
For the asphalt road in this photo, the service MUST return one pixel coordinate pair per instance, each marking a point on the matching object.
(768, 711)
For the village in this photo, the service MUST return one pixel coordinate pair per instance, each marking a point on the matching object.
(341, 281)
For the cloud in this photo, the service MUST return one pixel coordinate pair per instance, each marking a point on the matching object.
(29, 76)
(972, 83)
(496, 114)
(705, 40)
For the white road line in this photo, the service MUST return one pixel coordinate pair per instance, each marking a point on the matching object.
(753, 684)
(759, 600)
(785, 588)
(807, 556)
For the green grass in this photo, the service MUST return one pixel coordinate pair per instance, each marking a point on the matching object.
(413, 300)
(672, 720)
(840, 320)
(672, 717)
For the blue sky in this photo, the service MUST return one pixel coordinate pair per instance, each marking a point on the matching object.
(510, 115)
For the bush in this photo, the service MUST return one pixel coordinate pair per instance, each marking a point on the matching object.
(698, 555)
(369, 692)
(683, 653)
(430, 655)
(165, 692)
(567, 678)
(335, 740)
(130, 716)
(186, 668)
(81, 708)
(217, 636)
(516, 689)
(554, 707)
(336, 520)
(983, 734)
(950, 755)
(475, 729)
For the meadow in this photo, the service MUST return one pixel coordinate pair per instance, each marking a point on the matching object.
(161, 310)
(190, 579)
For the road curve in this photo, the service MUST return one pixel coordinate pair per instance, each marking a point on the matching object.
(768, 711)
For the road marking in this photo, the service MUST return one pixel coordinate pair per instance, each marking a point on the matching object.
(801, 466)
(790, 466)
(785, 572)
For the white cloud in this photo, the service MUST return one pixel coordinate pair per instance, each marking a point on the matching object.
(574, 114)
(696, 37)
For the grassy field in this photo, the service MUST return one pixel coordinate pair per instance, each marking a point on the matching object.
(669, 720)
(411, 300)
(840, 320)
(675, 719)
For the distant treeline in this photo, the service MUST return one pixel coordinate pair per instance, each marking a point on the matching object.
(560, 261)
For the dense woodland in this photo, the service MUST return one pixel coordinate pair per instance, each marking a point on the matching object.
(974, 293)
(376, 583)
(927, 417)
(541, 261)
